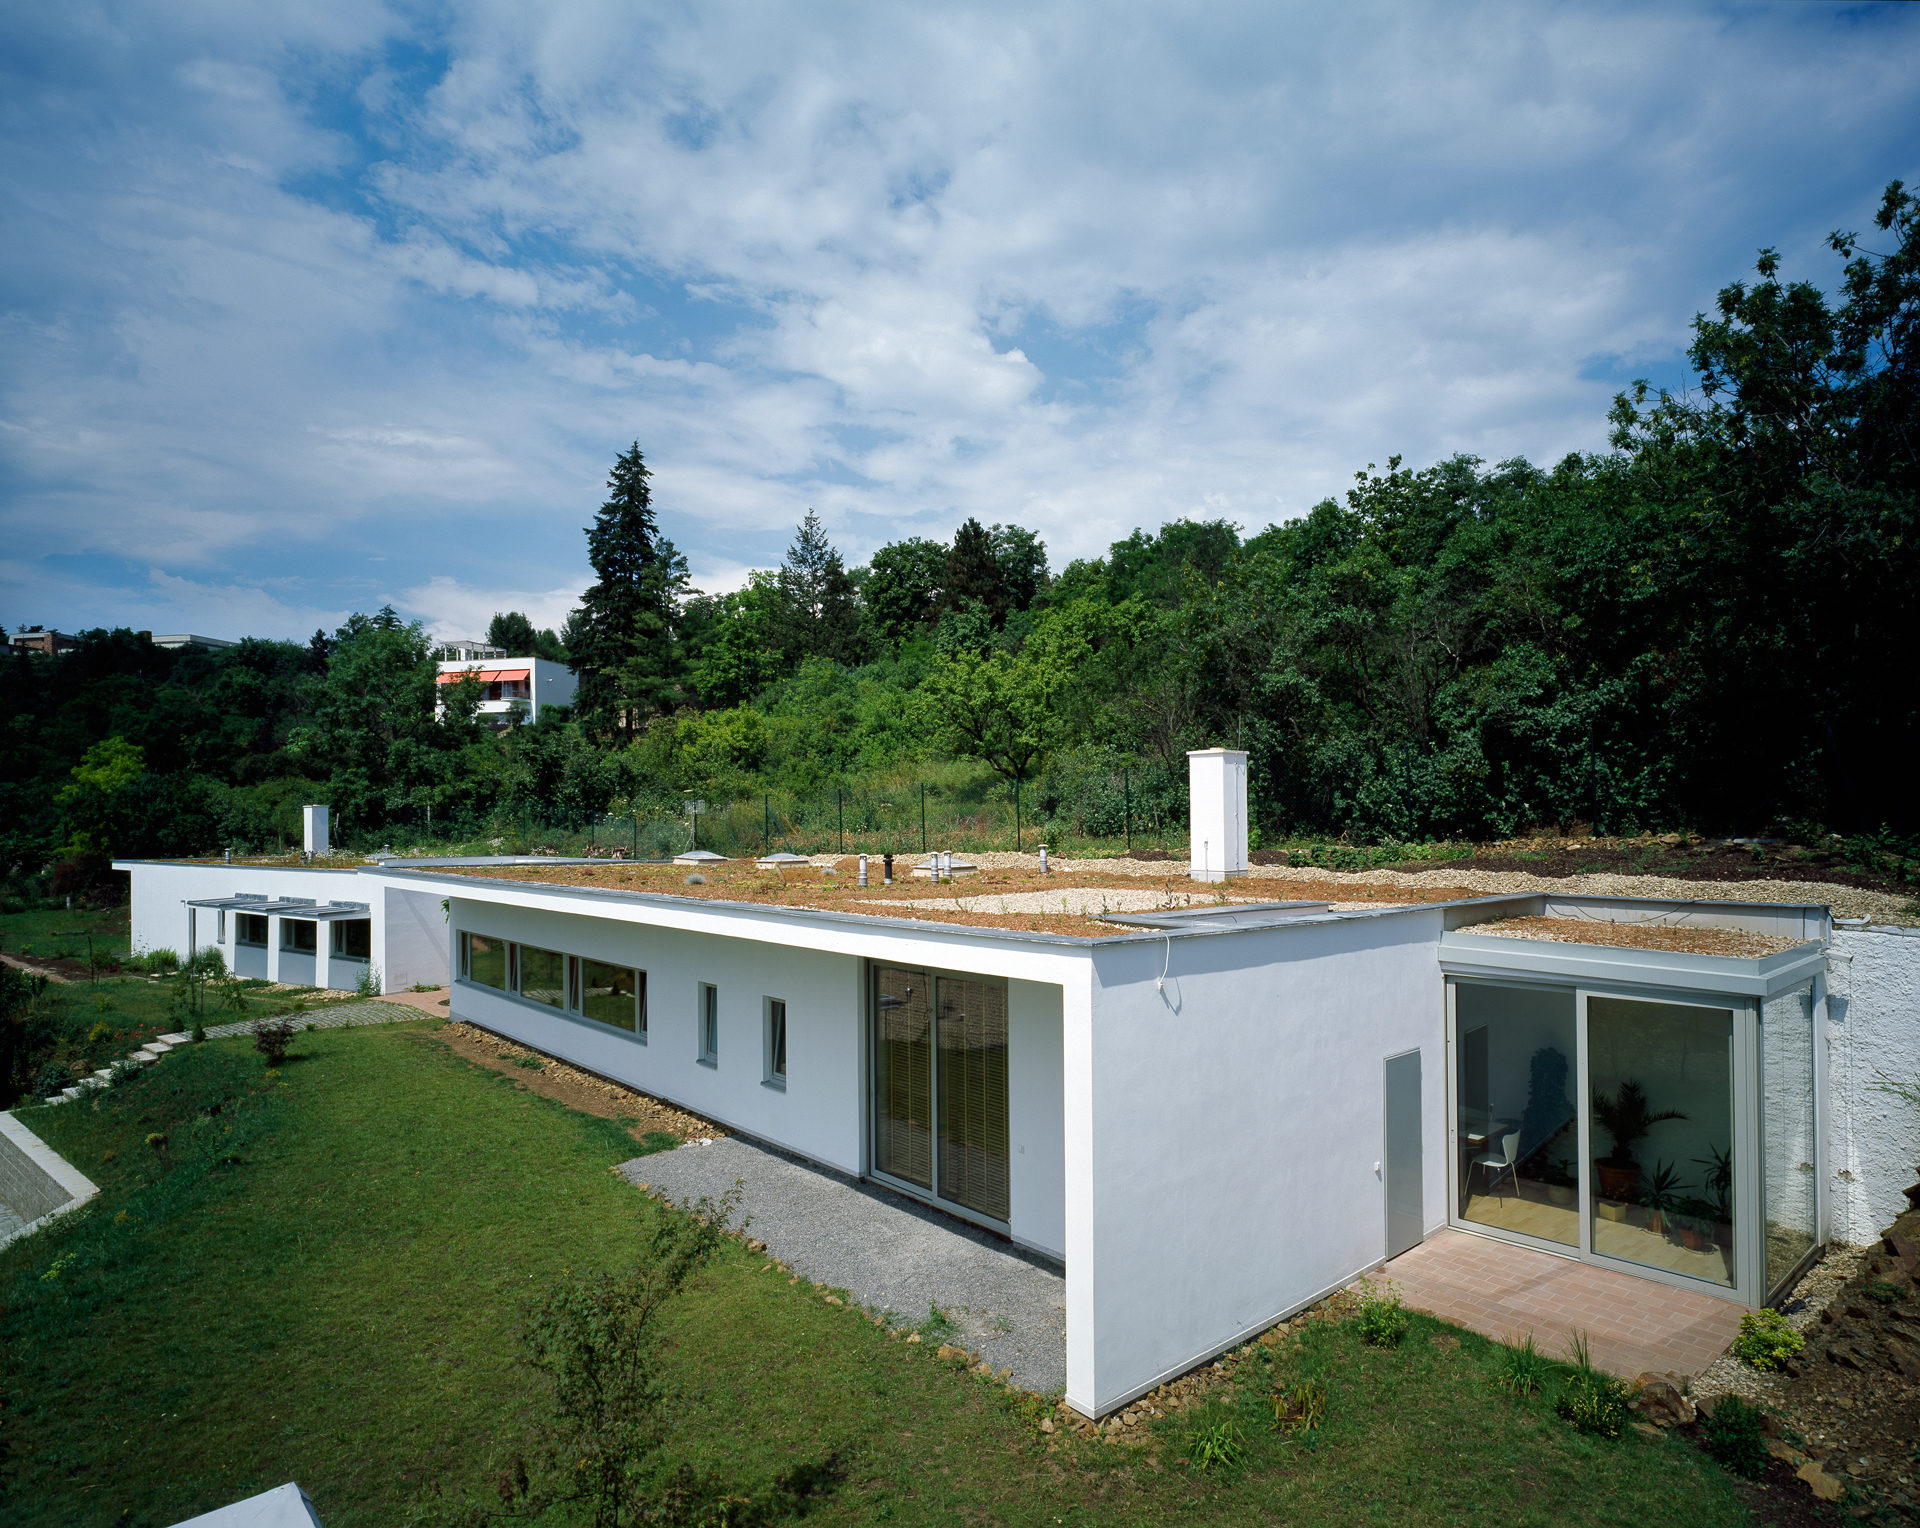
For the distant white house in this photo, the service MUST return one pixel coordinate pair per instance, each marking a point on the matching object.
(511, 687)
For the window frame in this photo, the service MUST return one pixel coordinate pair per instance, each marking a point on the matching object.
(288, 926)
(706, 1015)
(776, 1038)
(337, 944)
(240, 924)
(572, 983)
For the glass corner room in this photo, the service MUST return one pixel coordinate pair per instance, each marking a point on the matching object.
(1670, 1137)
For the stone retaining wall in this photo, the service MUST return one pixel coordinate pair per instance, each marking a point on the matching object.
(35, 1180)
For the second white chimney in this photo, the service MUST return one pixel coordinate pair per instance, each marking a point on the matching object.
(1217, 799)
(315, 820)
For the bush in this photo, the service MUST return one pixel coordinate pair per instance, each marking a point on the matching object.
(162, 962)
(1766, 1340)
(1594, 1403)
(368, 984)
(272, 1040)
(1734, 1438)
(53, 1079)
(1382, 1319)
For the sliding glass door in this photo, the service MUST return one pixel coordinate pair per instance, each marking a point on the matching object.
(940, 1086)
(1643, 1132)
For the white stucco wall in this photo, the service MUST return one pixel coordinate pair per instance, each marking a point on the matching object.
(1873, 1021)
(160, 891)
(819, 969)
(1234, 1128)
(409, 937)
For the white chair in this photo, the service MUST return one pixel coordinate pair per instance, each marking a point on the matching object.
(1503, 1163)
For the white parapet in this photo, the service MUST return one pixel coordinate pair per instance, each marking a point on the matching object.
(1217, 796)
(315, 820)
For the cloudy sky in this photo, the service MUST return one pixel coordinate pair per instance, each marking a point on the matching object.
(315, 306)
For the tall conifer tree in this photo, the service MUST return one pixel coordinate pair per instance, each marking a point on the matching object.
(621, 640)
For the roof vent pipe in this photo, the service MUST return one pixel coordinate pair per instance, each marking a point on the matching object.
(1217, 813)
(315, 820)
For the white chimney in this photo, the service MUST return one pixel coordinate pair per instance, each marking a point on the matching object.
(315, 819)
(1217, 797)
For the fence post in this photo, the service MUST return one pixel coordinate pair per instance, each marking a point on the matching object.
(1126, 788)
(766, 825)
(1016, 814)
(923, 816)
(636, 836)
(840, 800)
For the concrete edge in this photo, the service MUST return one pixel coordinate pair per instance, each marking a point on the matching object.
(78, 1185)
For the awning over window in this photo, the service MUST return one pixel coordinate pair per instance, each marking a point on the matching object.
(486, 676)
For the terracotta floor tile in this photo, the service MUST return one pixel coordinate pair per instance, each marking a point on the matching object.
(1505, 1292)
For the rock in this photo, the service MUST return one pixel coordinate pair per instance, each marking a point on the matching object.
(1647, 1430)
(1046, 1424)
(1903, 1357)
(913, 1337)
(1824, 1485)
(1129, 1418)
(947, 1350)
(1780, 1449)
(1662, 1404)
(835, 1300)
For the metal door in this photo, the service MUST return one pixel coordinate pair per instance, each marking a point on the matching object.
(1400, 1157)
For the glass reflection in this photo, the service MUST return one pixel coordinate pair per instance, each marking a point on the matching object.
(1518, 1131)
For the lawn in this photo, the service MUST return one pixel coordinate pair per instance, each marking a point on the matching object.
(61, 932)
(315, 1278)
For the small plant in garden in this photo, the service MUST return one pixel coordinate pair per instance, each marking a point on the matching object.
(53, 1079)
(938, 1326)
(1593, 1402)
(1885, 1291)
(368, 984)
(198, 1033)
(272, 1040)
(1300, 1409)
(1733, 1436)
(1766, 1340)
(531, 1063)
(1523, 1370)
(1382, 1319)
(1216, 1447)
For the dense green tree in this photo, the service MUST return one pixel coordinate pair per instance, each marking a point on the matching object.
(904, 588)
(818, 613)
(516, 633)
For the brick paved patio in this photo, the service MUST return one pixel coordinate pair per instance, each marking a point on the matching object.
(1503, 1291)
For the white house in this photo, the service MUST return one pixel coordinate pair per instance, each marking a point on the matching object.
(511, 688)
(1210, 1117)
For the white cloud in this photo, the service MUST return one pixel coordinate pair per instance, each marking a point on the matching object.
(452, 610)
(277, 306)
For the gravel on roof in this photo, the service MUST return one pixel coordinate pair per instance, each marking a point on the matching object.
(1688, 939)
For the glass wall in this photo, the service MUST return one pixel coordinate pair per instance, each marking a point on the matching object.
(487, 961)
(973, 1094)
(613, 995)
(903, 1075)
(543, 976)
(1518, 1133)
(1662, 1135)
(1786, 1132)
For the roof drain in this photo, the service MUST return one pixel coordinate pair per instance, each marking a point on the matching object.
(1160, 981)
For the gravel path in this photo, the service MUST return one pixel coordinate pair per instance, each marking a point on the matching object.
(891, 1254)
(338, 1016)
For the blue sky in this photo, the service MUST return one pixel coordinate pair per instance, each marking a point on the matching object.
(309, 308)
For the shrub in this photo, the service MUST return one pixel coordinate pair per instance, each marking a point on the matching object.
(162, 962)
(368, 984)
(53, 1079)
(1301, 1409)
(272, 1040)
(1884, 1291)
(1766, 1340)
(1523, 1369)
(1594, 1403)
(1733, 1437)
(1382, 1319)
(1216, 1447)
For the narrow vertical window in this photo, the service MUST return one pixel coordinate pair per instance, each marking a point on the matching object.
(709, 1024)
(776, 1042)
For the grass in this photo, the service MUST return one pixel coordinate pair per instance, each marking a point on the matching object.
(41, 931)
(335, 1305)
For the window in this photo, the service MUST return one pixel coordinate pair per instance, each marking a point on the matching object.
(297, 934)
(353, 938)
(249, 928)
(709, 1024)
(776, 1042)
(615, 995)
(486, 961)
(543, 976)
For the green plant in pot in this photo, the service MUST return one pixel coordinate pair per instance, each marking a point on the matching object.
(1561, 1181)
(1662, 1197)
(1719, 1185)
(1627, 1117)
(1692, 1222)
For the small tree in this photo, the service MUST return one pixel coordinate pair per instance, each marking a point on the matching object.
(595, 1340)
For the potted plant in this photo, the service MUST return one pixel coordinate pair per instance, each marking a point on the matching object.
(1627, 1117)
(1719, 1187)
(1691, 1222)
(1661, 1196)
